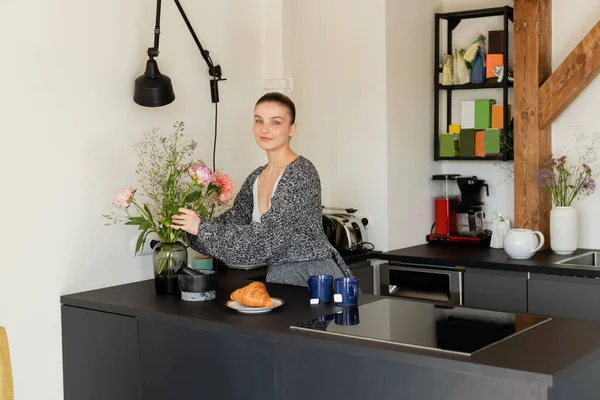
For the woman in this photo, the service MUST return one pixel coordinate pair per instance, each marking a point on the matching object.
(276, 217)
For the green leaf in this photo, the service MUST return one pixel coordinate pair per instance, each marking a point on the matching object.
(145, 226)
(202, 211)
(135, 221)
(174, 209)
(192, 197)
(148, 212)
(140, 242)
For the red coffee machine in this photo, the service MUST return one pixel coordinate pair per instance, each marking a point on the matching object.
(458, 210)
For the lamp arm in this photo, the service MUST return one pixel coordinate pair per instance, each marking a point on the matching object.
(153, 51)
(213, 70)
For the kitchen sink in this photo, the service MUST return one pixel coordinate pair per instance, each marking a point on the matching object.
(591, 259)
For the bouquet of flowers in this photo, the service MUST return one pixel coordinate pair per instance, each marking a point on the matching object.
(568, 182)
(169, 180)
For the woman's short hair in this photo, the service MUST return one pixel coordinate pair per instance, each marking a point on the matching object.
(280, 98)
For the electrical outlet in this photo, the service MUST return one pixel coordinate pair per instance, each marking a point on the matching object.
(146, 250)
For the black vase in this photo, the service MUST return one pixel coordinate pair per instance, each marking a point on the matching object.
(165, 259)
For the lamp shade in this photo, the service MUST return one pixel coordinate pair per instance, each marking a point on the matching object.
(153, 89)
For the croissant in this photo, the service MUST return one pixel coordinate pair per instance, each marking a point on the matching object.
(253, 295)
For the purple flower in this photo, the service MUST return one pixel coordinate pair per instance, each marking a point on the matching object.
(546, 178)
(587, 169)
(549, 162)
(589, 185)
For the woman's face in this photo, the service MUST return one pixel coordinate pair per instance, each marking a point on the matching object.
(272, 128)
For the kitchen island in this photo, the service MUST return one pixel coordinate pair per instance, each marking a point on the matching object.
(126, 342)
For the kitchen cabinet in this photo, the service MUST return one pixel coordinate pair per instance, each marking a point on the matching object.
(364, 272)
(309, 372)
(100, 355)
(564, 296)
(496, 290)
(181, 362)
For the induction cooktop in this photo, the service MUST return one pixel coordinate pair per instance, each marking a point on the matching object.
(456, 330)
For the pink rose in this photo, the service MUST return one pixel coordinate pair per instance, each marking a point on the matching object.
(226, 186)
(123, 198)
(201, 174)
(192, 170)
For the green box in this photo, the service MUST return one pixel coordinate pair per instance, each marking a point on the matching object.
(483, 114)
(492, 141)
(202, 262)
(467, 143)
(448, 145)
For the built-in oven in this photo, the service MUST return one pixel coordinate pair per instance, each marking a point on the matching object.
(422, 282)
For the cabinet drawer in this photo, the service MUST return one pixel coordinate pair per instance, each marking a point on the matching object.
(564, 296)
(496, 290)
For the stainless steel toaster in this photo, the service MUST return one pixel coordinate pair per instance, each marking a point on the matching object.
(344, 229)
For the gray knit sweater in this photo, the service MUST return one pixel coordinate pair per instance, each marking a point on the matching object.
(290, 231)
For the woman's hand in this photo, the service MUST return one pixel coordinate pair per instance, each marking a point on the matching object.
(188, 221)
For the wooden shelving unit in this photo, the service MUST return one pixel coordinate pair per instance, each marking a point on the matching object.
(453, 20)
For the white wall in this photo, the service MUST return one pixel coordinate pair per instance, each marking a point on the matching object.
(569, 25)
(336, 52)
(410, 47)
(67, 121)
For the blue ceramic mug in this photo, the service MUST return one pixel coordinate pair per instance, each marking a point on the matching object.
(345, 291)
(347, 317)
(320, 287)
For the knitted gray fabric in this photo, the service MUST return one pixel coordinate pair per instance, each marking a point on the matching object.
(290, 232)
(297, 273)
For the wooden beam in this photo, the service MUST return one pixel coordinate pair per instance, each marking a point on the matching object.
(532, 66)
(570, 78)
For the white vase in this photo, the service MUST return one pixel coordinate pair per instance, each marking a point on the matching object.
(563, 230)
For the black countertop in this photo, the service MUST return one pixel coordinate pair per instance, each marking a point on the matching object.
(535, 355)
(358, 256)
(543, 262)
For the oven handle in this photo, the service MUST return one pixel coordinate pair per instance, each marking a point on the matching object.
(427, 267)
(385, 268)
(384, 275)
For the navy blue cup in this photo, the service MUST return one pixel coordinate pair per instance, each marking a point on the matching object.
(347, 317)
(345, 291)
(320, 287)
(326, 318)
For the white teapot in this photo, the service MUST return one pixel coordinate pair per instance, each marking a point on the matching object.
(522, 244)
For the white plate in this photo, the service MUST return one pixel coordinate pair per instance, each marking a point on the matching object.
(254, 310)
(251, 266)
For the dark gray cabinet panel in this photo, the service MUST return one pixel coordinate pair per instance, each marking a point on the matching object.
(100, 355)
(319, 374)
(364, 272)
(183, 363)
(564, 296)
(496, 290)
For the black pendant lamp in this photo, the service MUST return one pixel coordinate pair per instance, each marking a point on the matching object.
(154, 89)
